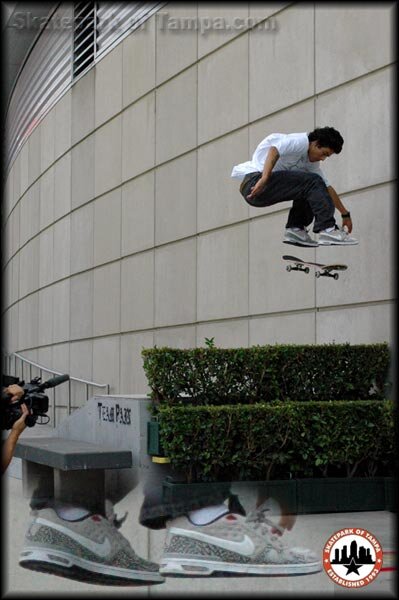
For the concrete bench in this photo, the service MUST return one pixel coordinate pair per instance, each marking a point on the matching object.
(68, 470)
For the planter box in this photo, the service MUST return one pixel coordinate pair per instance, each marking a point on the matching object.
(391, 494)
(283, 491)
(176, 492)
(300, 496)
(337, 494)
(305, 496)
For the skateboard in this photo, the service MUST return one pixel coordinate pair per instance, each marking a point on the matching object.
(324, 270)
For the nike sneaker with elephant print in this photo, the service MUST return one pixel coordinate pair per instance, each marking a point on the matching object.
(232, 544)
(90, 549)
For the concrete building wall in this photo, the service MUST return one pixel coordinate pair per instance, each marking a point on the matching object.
(124, 229)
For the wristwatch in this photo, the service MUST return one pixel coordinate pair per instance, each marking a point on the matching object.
(346, 215)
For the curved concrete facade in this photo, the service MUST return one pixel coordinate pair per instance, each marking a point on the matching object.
(124, 229)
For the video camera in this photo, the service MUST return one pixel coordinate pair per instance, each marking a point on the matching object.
(36, 402)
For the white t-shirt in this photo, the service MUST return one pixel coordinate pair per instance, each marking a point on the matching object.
(293, 151)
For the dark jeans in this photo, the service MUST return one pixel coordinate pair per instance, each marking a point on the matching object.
(308, 192)
(158, 507)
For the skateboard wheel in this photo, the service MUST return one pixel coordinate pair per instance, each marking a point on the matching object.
(317, 274)
(288, 267)
(336, 275)
(307, 270)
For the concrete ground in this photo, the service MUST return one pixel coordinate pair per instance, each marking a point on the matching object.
(311, 531)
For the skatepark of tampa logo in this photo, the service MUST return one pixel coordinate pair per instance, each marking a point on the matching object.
(352, 558)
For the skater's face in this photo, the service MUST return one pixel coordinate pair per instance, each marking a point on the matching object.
(317, 152)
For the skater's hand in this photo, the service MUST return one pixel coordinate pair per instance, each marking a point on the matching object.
(286, 522)
(347, 224)
(257, 189)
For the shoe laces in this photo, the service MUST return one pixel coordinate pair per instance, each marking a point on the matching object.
(306, 232)
(261, 520)
(341, 231)
(112, 516)
(106, 526)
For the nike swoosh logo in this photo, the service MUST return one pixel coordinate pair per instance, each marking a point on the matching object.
(102, 549)
(245, 546)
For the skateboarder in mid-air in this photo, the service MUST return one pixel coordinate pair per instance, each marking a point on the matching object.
(287, 167)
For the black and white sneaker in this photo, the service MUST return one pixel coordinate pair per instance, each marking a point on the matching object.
(232, 544)
(90, 549)
(336, 237)
(299, 237)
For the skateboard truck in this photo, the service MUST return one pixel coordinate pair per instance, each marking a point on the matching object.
(326, 274)
(298, 268)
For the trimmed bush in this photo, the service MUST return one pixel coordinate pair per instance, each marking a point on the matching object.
(282, 373)
(278, 441)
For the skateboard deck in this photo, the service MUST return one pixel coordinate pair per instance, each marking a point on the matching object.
(323, 270)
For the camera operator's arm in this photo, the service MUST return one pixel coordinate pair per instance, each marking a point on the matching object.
(10, 443)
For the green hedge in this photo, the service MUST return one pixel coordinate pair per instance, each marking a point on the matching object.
(281, 440)
(268, 373)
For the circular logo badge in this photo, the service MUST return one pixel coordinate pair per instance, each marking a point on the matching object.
(352, 558)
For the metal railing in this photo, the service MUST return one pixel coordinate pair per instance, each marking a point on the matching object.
(15, 364)
(114, 19)
(61, 53)
(43, 79)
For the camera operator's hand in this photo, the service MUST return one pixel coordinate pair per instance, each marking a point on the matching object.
(20, 424)
(10, 443)
(15, 391)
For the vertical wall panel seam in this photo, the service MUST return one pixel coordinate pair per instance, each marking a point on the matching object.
(196, 340)
(248, 221)
(94, 200)
(120, 218)
(154, 289)
(314, 125)
(119, 191)
(70, 244)
(155, 91)
(196, 188)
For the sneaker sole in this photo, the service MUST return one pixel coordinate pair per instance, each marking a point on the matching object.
(301, 244)
(193, 567)
(336, 243)
(56, 562)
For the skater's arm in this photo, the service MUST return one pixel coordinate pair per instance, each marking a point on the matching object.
(346, 221)
(287, 519)
(271, 159)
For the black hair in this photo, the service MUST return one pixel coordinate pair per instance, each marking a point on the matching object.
(327, 137)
